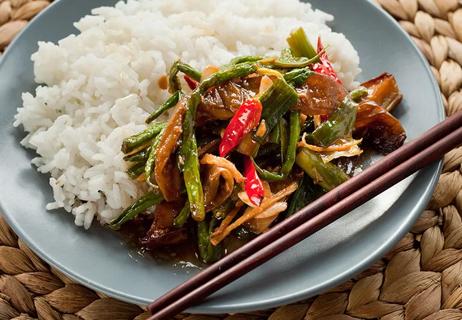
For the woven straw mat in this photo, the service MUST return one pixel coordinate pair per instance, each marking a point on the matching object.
(421, 278)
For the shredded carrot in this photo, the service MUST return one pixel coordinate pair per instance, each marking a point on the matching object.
(339, 145)
(224, 163)
(251, 213)
(225, 223)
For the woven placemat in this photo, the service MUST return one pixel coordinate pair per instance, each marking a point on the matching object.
(420, 279)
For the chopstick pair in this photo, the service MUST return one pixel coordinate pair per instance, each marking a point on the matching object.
(391, 169)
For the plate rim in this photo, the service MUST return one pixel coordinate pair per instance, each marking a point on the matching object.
(280, 300)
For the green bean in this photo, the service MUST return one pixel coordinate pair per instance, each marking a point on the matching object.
(276, 102)
(327, 175)
(243, 59)
(183, 216)
(300, 45)
(136, 170)
(297, 77)
(142, 204)
(168, 104)
(177, 66)
(131, 143)
(306, 193)
(233, 72)
(294, 135)
(340, 124)
(149, 165)
(140, 156)
(207, 252)
(189, 160)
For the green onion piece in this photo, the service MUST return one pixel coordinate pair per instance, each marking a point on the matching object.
(358, 93)
(300, 45)
(276, 101)
(340, 124)
(327, 175)
(183, 216)
(142, 204)
(168, 104)
(131, 143)
(275, 135)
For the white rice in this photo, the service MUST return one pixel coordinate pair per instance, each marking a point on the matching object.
(99, 85)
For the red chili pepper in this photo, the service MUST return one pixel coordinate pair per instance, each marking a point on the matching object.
(192, 84)
(253, 185)
(246, 118)
(324, 66)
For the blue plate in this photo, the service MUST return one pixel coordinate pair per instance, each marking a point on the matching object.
(100, 260)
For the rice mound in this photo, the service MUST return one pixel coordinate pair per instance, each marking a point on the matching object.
(97, 87)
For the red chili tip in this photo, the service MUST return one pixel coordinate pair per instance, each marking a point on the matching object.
(253, 184)
(192, 84)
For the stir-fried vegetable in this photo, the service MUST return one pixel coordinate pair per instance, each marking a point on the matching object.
(244, 120)
(327, 175)
(250, 143)
(138, 140)
(139, 206)
(339, 125)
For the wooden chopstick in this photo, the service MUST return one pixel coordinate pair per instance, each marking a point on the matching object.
(388, 171)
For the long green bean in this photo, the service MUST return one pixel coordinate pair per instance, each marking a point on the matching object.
(168, 104)
(233, 72)
(243, 59)
(136, 170)
(149, 165)
(183, 216)
(207, 251)
(292, 144)
(142, 204)
(189, 160)
(140, 156)
(131, 143)
(178, 66)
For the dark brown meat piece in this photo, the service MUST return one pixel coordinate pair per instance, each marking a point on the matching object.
(378, 128)
(221, 102)
(320, 95)
(162, 232)
(384, 91)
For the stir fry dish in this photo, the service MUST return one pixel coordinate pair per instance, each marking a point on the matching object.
(250, 143)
